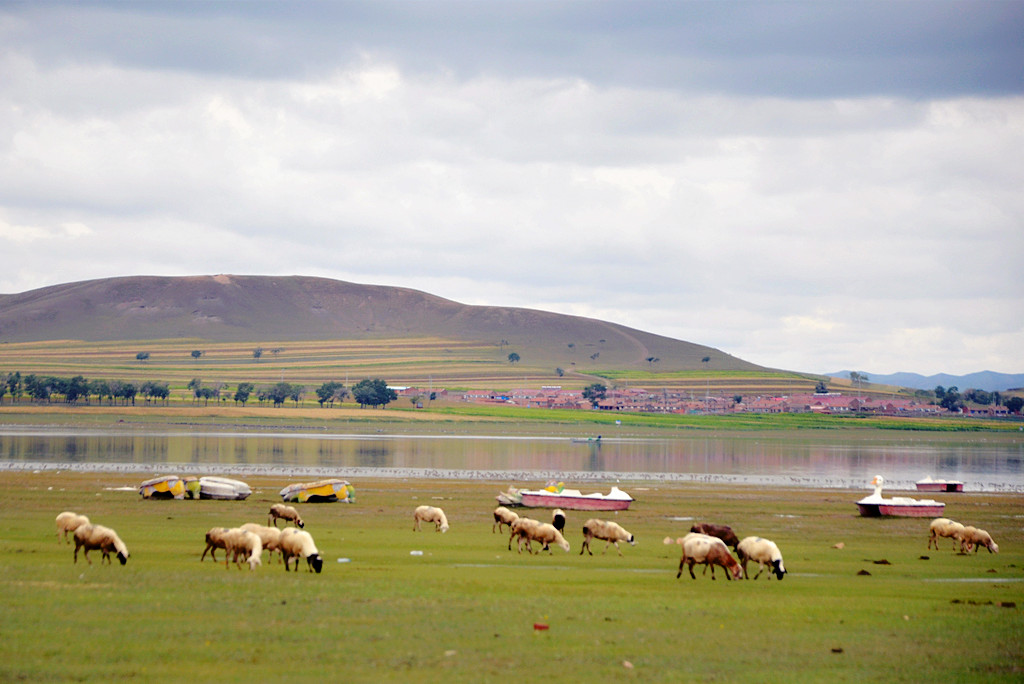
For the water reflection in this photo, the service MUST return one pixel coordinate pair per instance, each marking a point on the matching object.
(816, 460)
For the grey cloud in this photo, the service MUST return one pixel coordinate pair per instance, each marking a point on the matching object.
(796, 49)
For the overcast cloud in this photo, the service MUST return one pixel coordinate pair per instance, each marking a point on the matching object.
(806, 185)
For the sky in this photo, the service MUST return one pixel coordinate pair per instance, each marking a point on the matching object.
(811, 186)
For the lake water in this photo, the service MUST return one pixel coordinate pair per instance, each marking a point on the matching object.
(985, 462)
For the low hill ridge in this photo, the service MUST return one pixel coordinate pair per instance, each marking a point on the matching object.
(234, 308)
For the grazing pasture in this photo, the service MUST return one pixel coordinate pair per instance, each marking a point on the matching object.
(466, 609)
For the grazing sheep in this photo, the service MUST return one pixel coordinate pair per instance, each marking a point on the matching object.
(558, 519)
(518, 529)
(242, 545)
(503, 516)
(546, 534)
(286, 513)
(214, 540)
(99, 537)
(611, 532)
(430, 514)
(944, 527)
(723, 532)
(270, 537)
(298, 544)
(974, 538)
(69, 522)
(763, 551)
(709, 551)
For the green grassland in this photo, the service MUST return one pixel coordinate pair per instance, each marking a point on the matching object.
(465, 610)
(422, 362)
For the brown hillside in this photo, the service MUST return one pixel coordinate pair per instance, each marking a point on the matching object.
(229, 308)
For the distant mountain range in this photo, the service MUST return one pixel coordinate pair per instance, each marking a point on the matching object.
(984, 380)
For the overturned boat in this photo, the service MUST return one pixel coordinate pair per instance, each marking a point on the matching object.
(320, 491)
(222, 488)
(557, 496)
(206, 487)
(874, 506)
(163, 487)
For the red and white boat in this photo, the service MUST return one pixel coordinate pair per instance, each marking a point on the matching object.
(558, 496)
(930, 485)
(899, 506)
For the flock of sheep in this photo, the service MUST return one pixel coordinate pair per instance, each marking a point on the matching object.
(707, 544)
(967, 536)
(244, 544)
(704, 545)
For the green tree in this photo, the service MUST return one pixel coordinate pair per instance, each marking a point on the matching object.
(951, 399)
(279, 392)
(1014, 404)
(329, 392)
(373, 393)
(14, 385)
(153, 390)
(77, 388)
(125, 391)
(100, 388)
(243, 392)
(651, 360)
(196, 353)
(513, 358)
(142, 356)
(257, 353)
(595, 393)
(196, 385)
(821, 388)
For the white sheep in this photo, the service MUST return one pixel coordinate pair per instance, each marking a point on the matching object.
(972, 537)
(517, 529)
(298, 544)
(99, 537)
(69, 522)
(607, 530)
(763, 551)
(709, 551)
(270, 537)
(214, 540)
(286, 513)
(944, 527)
(546, 534)
(242, 545)
(503, 516)
(430, 514)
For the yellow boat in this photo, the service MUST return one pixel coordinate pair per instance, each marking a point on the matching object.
(163, 487)
(320, 491)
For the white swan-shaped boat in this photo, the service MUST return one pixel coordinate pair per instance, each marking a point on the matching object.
(899, 506)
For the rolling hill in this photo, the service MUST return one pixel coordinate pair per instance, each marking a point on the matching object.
(228, 308)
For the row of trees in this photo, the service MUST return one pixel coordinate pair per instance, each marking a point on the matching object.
(257, 353)
(70, 390)
(952, 400)
(38, 388)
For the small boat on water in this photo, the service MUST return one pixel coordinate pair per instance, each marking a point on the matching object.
(930, 485)
(557, 496)
(874, 506)
(206, 487)
(320, 491)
